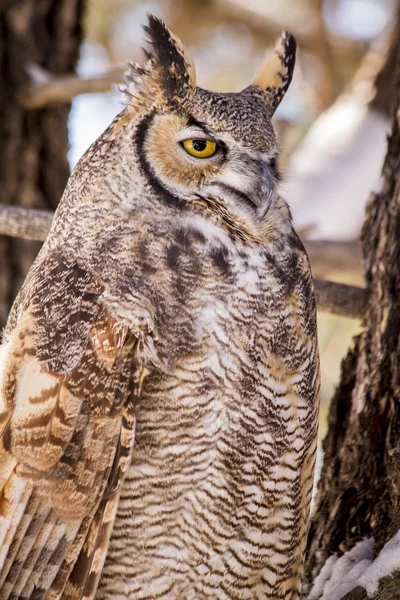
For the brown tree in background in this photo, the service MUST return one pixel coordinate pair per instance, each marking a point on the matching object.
(33, 143)
(359, 490)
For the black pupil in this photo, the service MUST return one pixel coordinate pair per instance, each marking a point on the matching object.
(199, 145)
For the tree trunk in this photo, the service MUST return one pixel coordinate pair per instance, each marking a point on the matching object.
(33, 144)
(359, 490)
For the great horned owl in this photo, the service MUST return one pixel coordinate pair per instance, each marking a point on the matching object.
(172, 302)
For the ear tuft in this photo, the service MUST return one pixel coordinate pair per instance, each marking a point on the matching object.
(169, 76)
(167, 51)
(276, 72)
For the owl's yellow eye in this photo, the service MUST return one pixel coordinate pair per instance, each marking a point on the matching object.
(200, 148)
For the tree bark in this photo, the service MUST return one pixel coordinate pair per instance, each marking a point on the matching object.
(33, 143)
(359, 490)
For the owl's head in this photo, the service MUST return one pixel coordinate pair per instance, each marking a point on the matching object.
(193, 143)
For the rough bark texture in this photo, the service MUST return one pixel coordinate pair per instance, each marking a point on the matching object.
(33, 143)
(359, 489)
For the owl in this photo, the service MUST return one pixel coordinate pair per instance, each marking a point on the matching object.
(159, 389)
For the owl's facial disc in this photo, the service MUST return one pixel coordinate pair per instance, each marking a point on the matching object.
(188, 158)
(178, 153)
(192, 142)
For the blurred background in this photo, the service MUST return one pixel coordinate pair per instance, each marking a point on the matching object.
(332, 123)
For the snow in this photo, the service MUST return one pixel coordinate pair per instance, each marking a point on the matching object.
(386, 563)
(357, 567)
(340, 575)
(323, 578)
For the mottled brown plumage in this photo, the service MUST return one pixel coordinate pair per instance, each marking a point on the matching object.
(159, 394)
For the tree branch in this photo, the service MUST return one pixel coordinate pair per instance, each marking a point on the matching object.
(337, 298)
(64, 88)
(304, 23)
(329, 255)
(26, 223)
(340, 299)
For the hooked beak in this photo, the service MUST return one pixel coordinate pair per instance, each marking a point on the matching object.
(264, 187)
(250, 182)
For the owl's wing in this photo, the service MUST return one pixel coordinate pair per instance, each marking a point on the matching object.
(72, 377)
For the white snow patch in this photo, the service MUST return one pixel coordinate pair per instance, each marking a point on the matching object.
(323, 578)
(387, 561)
(340, 575)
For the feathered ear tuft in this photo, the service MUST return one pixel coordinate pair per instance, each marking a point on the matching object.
(275, 75)
(134, 78)
(169, 75)
(168, 52)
